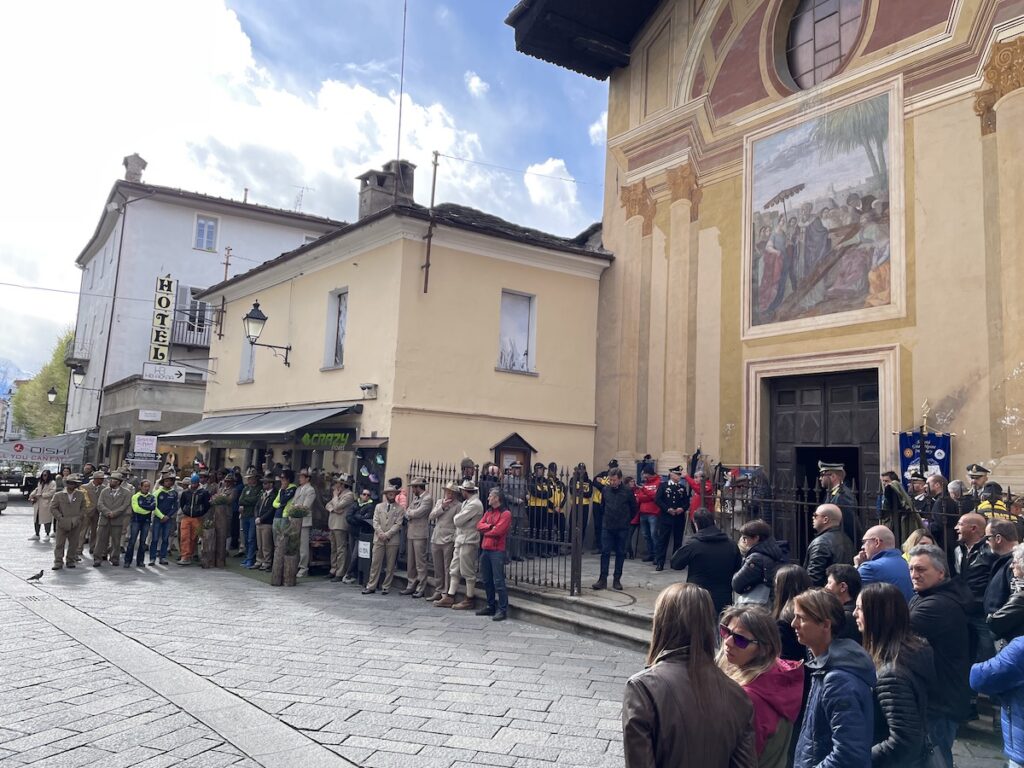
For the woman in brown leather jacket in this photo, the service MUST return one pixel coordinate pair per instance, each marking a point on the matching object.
(682, 711)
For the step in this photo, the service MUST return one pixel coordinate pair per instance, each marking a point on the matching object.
(605, 630)
(582, 606)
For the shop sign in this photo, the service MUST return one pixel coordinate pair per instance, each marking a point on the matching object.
(145, 415)
(330, 440)
(145, 444)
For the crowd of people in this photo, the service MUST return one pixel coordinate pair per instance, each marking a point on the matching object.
(866, 654)
(269, 519)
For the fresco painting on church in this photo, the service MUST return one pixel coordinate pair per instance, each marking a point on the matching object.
(819, 195)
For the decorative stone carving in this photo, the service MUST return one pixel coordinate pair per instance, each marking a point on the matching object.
(1004, 74)
(682, 183)
(638, 201)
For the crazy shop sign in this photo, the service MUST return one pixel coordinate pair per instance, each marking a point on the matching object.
(163, 320)
(333, 440)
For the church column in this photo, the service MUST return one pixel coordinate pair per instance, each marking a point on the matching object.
(1001, 108)
(681, 317)
(640, 209)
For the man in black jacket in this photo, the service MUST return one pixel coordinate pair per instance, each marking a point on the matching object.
(620, 507)
(265, 524)
(1002, 538)
(673, 499)
(972, 564)
(830, 546)
(711, 558)
(940, 613)
(943, 512)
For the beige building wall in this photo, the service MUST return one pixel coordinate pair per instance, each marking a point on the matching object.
(950, 346)
(433, 355)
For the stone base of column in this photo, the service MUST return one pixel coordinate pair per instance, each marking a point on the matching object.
(670, 459)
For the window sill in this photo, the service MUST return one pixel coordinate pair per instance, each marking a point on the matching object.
(246, 381)
(326, 368)
(204, 250)
(516, 373)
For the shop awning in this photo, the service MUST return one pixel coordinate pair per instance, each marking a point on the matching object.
(370, 442)
(262, 425)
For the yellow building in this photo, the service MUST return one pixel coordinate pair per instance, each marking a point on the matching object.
(411, 336)
(817, 207)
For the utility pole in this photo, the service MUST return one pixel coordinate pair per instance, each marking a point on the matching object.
(227, 261)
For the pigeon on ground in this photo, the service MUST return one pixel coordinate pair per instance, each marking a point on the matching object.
(37, 577)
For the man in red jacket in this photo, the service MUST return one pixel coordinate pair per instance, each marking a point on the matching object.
(646, 496)
(493, 527)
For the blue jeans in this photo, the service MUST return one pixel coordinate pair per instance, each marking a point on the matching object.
(942, 731)
(139, 530)
(161, 532)
(492, 571)
(249, 537)
(613, 541)
(649, 528)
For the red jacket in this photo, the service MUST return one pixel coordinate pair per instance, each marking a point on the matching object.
(709, 495)
(494, 526)
(646, 495)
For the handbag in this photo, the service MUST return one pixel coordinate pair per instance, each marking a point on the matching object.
(759, 595)
(931, 757)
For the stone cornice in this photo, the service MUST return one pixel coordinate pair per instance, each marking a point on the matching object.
(638, 201)
(1004, 74)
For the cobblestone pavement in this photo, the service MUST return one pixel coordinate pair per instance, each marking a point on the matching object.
(179, 666)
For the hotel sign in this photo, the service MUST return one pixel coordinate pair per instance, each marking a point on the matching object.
(163, 320)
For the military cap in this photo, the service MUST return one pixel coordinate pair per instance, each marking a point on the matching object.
(825, 466)
(516, 465)
(976, 470)
(613, 464)
(916, 475)
(676, 469)
(539, 465)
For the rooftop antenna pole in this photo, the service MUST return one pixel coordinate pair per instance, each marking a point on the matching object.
(401, 98)
(430, 227)
(227, 261)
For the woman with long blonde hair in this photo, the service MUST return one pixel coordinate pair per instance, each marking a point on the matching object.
(661, 727)
(749, 655)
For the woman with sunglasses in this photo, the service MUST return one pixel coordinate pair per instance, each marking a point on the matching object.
(660, 723)
(906, 670)
(749, 655)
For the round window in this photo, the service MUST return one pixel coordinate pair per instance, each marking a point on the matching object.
(821, 36)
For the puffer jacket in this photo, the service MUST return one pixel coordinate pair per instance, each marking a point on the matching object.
(941, 616)
(838, 721)
(659, 729)
(901, 703)
(827, 548)
(1003, 676)
(759, 567)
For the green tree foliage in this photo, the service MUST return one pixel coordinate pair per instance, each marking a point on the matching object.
(863, 125)
(32, 410)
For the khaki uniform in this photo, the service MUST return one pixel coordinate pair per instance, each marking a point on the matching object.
(337, 524)
(467, 546)
(442, 541)
(68, 509)
(92, 517)
(387, 523)
(113, 505)
(416, 535)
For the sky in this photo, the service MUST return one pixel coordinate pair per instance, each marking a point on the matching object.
(219, 95)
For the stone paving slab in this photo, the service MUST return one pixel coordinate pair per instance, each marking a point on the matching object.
(377, 680)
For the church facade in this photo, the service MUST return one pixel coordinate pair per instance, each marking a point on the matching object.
(817, 213)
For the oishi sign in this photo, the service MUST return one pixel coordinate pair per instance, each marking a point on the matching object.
(163, 320)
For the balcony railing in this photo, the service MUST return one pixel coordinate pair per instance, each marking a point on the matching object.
(190, 334)
(76, 353)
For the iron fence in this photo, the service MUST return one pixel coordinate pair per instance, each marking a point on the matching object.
(549, 519)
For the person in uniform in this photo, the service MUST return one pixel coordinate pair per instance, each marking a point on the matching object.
(417, 517)
(342, 500)
(833, 476)
(68, 509)
(442, 541)
(977, 476)
(467, 547)
(97, 482)
(673, 499)
(306, 498)
(600, 481)
(164, 517)
(582, 493)
(537, 501)
(919, 493)
(114, 503)
(388, 517)
(514, 487)
(265, 524)
(556, 509)
(992, 506)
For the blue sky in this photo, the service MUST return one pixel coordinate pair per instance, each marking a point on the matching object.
(219, 95)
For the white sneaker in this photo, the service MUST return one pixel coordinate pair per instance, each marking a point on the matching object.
(301, 574)
(34, 537)
(46, 538)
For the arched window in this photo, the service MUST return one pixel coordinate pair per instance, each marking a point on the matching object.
(821, 34)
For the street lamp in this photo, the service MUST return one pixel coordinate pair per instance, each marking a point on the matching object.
(78, 376)
(51, 395)
(253, 323)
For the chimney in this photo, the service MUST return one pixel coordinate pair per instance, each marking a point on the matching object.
(133, 167)
(377, 189)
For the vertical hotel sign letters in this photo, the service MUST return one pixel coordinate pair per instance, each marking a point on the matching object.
(163, 318)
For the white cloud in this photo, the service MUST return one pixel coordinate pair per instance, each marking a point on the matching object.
(552, 191)
(598, 130)
(475, 84)
(179, 85)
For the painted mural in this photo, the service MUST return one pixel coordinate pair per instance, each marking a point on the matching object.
(819, 216)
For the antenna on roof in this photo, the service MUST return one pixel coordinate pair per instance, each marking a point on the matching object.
(302, 192)
(401, 98)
